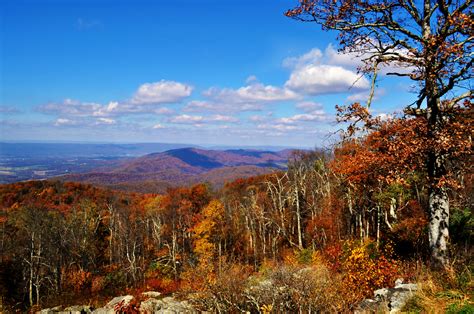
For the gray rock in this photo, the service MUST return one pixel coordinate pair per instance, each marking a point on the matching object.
(407, 286)
(103, 310)
(76, 309)
(125, 299)
(398, 300)
(381, 293)
(109, 308)
(168, 305)
(151, 306)
(171, 306)
(371, 306)
(151, 294)
(400, 295)
(390, 300)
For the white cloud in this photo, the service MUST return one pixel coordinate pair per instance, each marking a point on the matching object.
(309, 106)
(278, 127)
(112, 108)
(106, 121)
(222, 118)
(315, 73)
(252, 97)
(349, 59)
(145, 100)
(70, 107)
(199, 106)
(314, 56)
(63, 121)
(355, 60)
(325, 79)
(332, 71)
(189, 119)
(255, 92)
(84, 122)
(185, 119)
(246, 107)
(161, 92)
(317, 115)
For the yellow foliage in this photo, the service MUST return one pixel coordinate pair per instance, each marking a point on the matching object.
(366, 270)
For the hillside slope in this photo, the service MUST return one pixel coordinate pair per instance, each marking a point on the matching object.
(153, 173)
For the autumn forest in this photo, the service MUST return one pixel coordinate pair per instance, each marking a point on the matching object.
(301, 231)
(331, 215)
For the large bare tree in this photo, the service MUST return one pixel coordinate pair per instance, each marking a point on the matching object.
(431, 43)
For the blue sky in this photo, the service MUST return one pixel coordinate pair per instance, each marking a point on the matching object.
(202, 72)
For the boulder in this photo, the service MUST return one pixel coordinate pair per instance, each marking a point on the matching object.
(152, 305)
(75, 309)
(390, 300)
(109, 308)
(168, 305)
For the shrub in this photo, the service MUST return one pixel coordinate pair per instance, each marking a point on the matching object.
(363, 267)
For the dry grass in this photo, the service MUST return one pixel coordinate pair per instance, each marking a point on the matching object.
(448, 291)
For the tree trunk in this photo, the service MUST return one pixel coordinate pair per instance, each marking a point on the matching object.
(438, 225)
(438, 207)
(438, 202)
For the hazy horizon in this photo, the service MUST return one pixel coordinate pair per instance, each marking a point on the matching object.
(208, 146)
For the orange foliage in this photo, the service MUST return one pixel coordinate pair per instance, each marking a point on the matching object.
(98, 284)
(163, 285)
(399, 146)
(78, 280)
(364, 267)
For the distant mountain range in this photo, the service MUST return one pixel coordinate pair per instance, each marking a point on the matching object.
(158, 171)
(78, 150)
(89, 150)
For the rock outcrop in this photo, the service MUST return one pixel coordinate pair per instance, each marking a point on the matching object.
(75, 309)
(111, 307)
(391, 300)
(166, 305)
(152, 304)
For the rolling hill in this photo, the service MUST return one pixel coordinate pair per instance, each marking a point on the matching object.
(154, 173)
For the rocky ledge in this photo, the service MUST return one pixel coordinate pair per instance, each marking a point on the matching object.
(152, 303)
